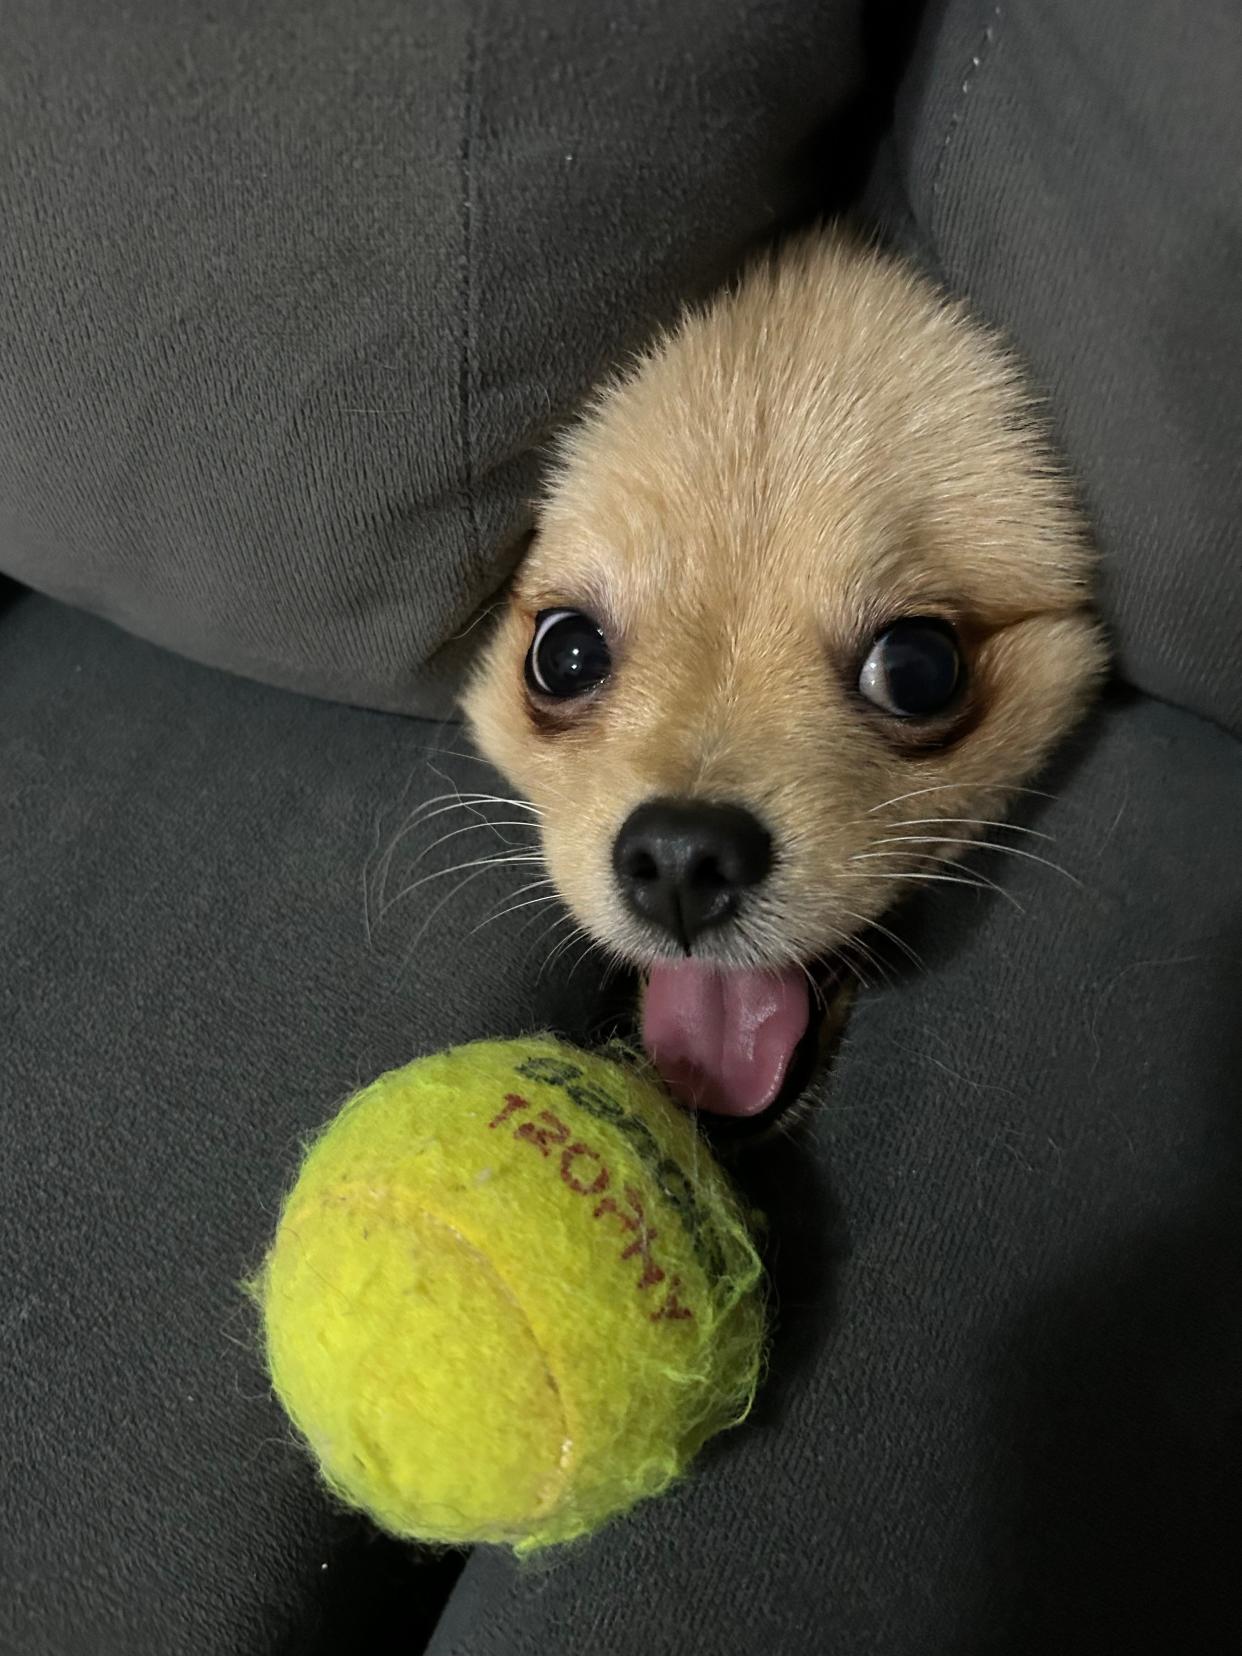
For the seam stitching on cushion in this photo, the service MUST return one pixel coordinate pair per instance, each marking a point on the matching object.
(968, 80)
(465, 399)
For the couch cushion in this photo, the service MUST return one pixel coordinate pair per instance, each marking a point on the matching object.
(1002, 1409)
(203, 949)
(1077, 171)
(1007, 1243)
(289, 300)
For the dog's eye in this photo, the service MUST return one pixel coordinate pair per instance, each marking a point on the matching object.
(568, 654)
(914, 669)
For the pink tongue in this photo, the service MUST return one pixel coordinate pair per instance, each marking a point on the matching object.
(723, 1040)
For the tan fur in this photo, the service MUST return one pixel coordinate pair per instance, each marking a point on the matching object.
(829, 447)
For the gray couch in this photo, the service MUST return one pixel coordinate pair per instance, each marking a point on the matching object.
(290, 300)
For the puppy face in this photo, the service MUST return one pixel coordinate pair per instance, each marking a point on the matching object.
(806, 603)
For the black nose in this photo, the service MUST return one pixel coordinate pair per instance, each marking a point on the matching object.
(684, 864)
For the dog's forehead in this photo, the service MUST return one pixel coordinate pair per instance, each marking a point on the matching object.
(652, 545)
(835, 441)
(634, 528)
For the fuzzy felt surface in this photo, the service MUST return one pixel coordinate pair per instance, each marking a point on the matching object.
(510, 1295)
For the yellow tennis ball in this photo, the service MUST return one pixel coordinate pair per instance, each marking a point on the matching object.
(510, 1295)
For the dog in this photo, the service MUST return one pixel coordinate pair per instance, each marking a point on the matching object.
(808, 601)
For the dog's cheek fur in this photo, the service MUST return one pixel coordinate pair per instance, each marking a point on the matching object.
(554, 767)
(1034, 681)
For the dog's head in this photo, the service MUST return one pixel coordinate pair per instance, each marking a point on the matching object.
(807, 602)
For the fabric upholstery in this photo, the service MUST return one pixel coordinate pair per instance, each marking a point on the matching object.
(1006, 1242)
(1001, 1415)
(291, 299)
(1076, 170)
(203, 950)
(287, 305)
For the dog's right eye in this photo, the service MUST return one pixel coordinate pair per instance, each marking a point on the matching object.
(913, 669)
(568, 655)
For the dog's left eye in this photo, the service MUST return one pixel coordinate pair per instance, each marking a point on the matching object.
(568, 654)
(914, 669)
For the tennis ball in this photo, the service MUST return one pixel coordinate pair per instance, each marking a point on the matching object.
(510, 1295)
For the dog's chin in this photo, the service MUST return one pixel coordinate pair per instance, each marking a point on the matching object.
(739, 1045)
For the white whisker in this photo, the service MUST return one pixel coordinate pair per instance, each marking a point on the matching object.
(981, 845)
(892, 936)
(460, 753)
(958, 787)
(945, 862)
(530, 902)
(470, 828)
(424, 813)
(585, 953)
(565, 943)
(448, 898)
(551, 929)
(460, 868)
(471, 801)
(817, 994)
(970, 822)
(473, 759)
(950, 879)
(870, 956)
